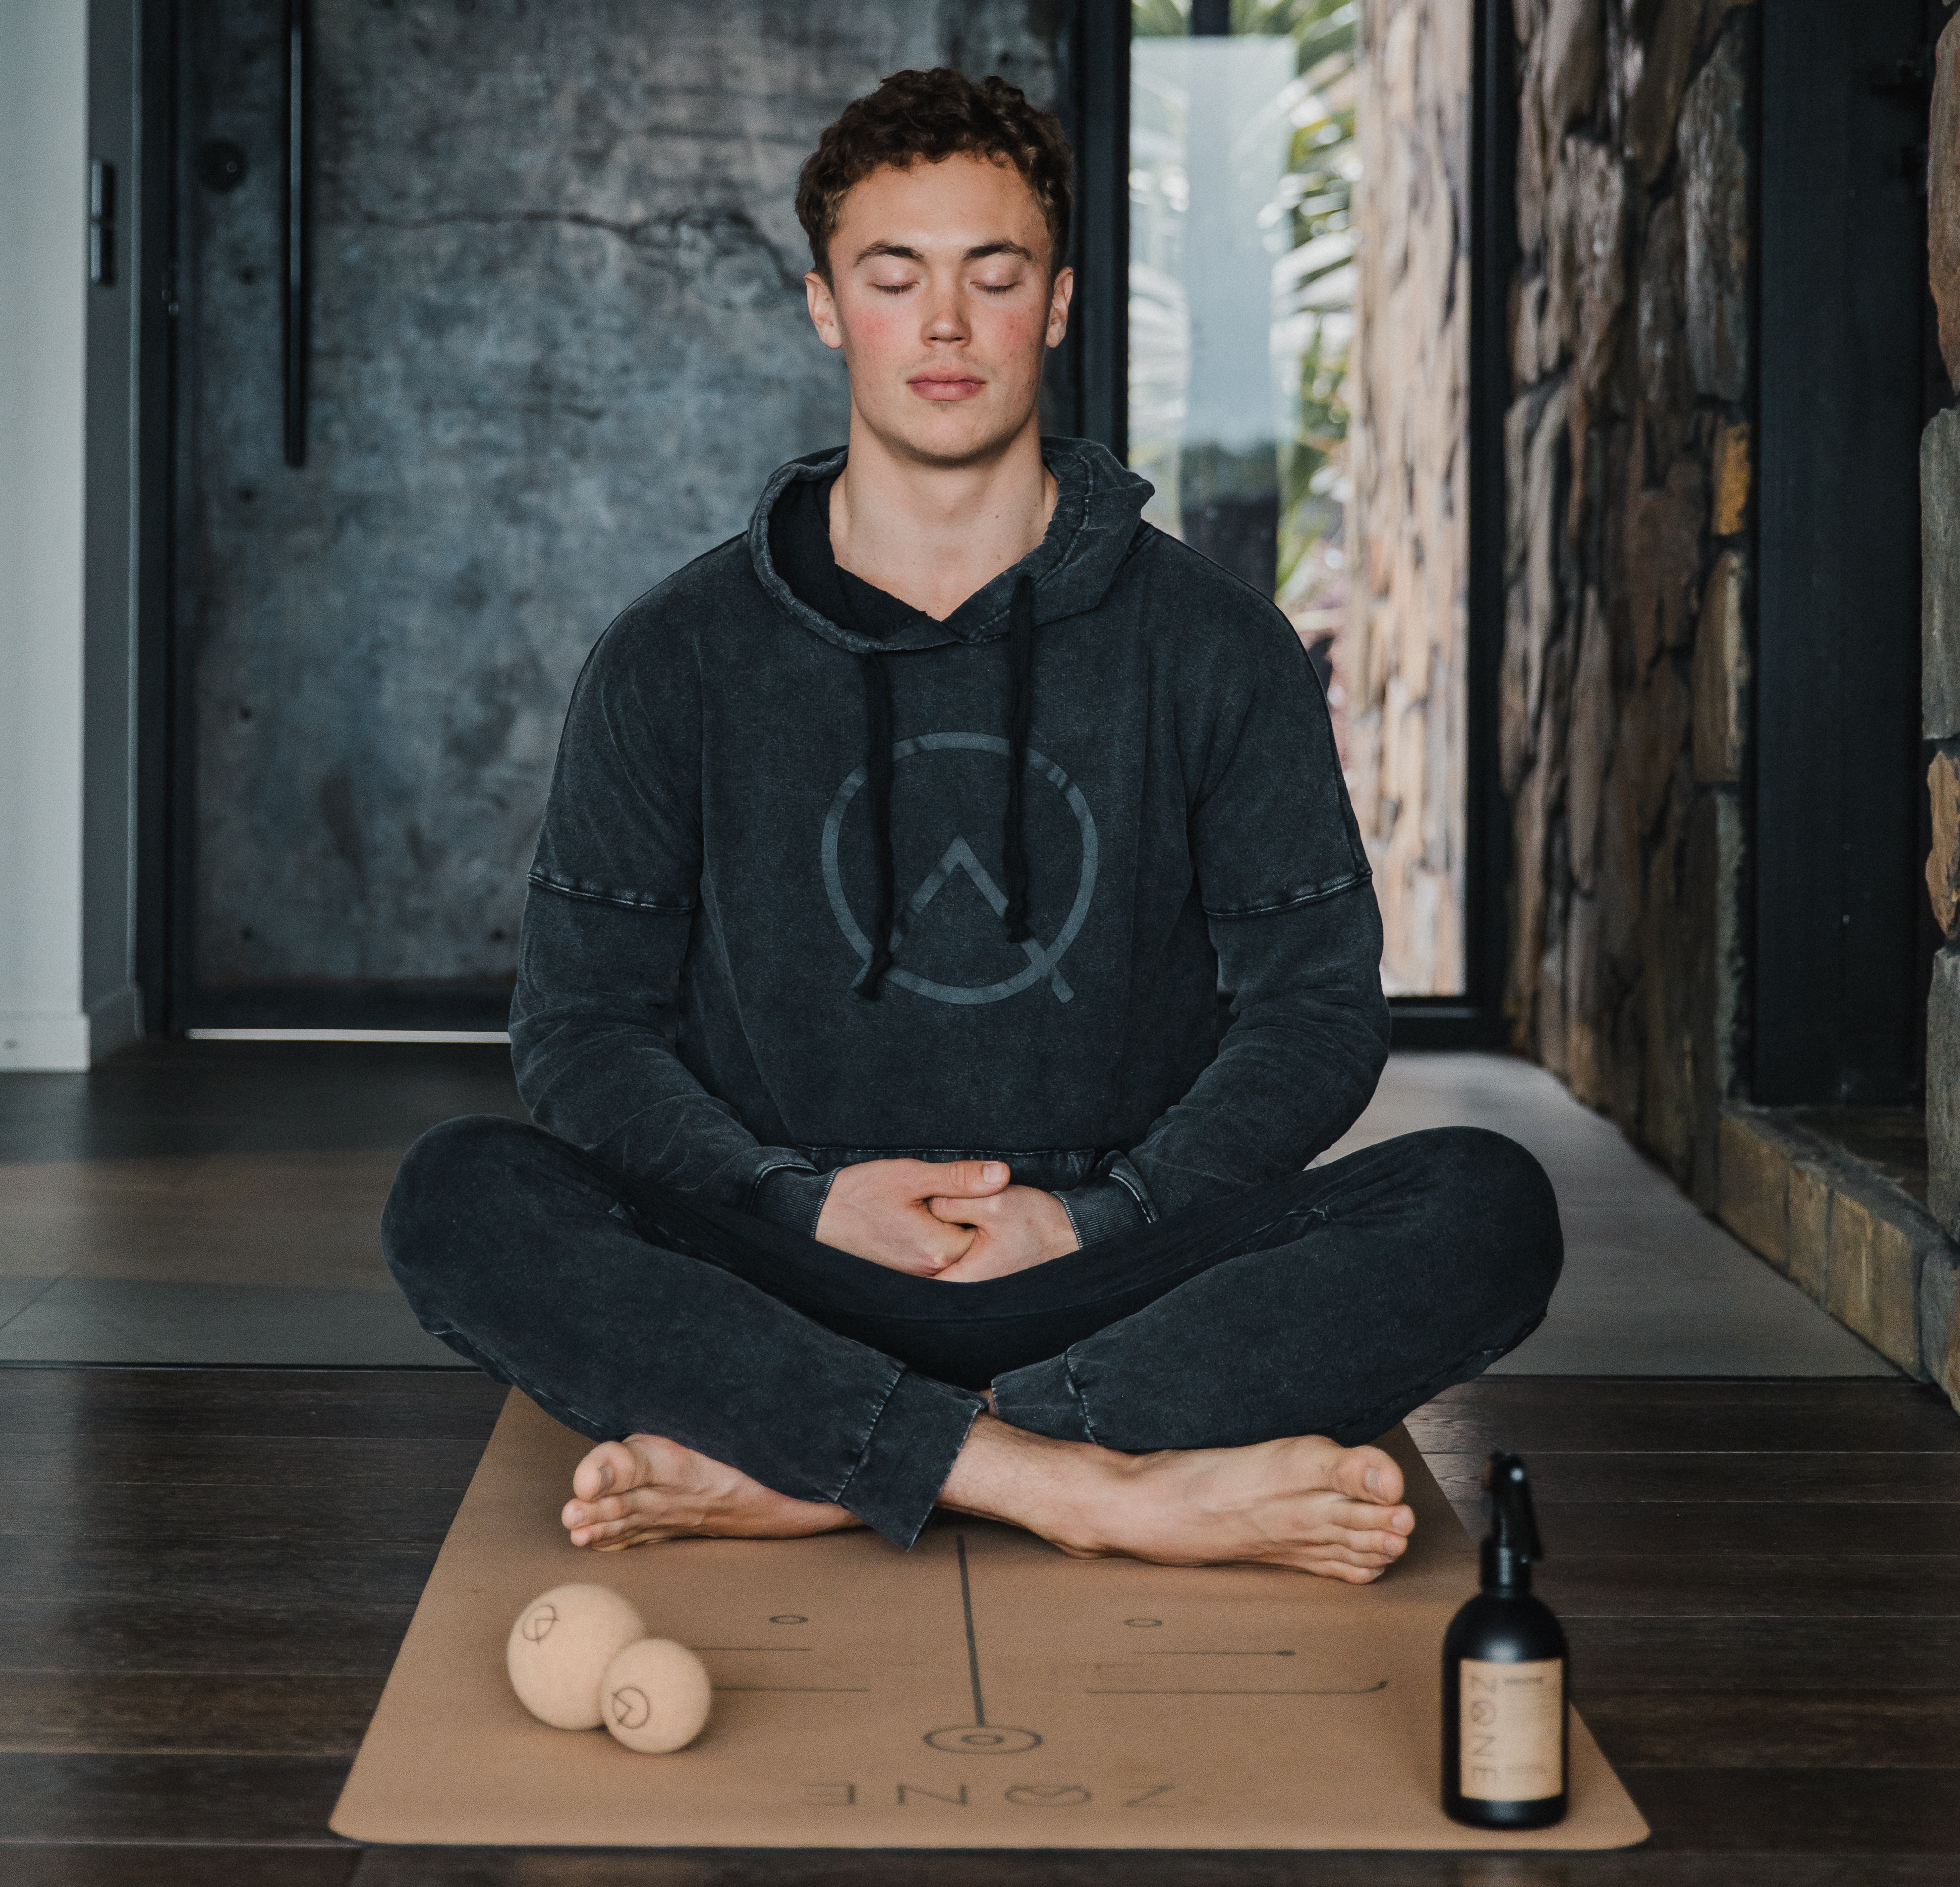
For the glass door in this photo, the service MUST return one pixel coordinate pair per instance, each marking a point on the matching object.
(1246, 220)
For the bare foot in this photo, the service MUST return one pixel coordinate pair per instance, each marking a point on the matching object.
(1303, 1502)
(645, 1488)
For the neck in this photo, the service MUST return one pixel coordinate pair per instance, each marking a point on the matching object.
(932, 534)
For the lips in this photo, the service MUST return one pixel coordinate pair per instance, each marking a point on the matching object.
(946, 386)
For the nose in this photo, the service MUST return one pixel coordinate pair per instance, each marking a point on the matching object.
(946, 319)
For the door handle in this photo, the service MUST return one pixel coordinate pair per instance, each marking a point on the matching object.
(296, 298)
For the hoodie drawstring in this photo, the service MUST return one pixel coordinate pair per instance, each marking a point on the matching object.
(1020, 715)
(878, 786)
(878, 809)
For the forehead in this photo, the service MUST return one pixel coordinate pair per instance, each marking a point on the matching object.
(958, 203)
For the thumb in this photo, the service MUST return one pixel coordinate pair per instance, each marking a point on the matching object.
(969, 1179)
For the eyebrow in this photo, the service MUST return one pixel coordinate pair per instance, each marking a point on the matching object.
(977, 252)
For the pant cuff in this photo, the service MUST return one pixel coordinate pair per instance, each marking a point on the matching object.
(1042, 1398)
(910, 1452)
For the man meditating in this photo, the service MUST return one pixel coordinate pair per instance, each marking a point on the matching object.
(948, 943)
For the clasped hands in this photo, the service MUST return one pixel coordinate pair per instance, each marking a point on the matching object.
(956, 1221)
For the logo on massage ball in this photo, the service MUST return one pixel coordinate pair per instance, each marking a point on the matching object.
(537, 1626)
(630, 1707)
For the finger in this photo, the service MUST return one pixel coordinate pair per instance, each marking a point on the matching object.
(968, 1178)
(961, 1210)
(929, 1255)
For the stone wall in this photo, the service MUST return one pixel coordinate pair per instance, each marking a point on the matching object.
(1628, 474)
(1940, 498)
(1400, 662)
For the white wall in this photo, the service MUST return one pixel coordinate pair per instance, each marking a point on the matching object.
(46, 993)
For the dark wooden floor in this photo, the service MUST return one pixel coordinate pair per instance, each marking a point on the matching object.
(203, 1575)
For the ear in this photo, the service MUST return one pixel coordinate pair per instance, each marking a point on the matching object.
(823, 310)
(1059, 297)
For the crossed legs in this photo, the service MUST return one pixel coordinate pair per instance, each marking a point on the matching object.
(1224, 1421)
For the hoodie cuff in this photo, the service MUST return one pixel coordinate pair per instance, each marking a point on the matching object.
(1102, 1209)
(791, 1197)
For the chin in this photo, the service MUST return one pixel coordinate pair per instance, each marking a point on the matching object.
(950, 439)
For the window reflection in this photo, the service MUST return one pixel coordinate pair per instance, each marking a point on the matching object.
(1241, 283)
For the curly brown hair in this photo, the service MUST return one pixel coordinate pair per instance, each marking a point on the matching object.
(935, 116)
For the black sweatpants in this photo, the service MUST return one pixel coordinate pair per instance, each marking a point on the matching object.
(1330, 1303)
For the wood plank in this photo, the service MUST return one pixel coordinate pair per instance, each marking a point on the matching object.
(185, 1713)
(1751, 1476)
(266, 1575)
(184, 1458)
(1848, 1586)
(1854, 1812)
(1649, 1416)
(944, 1867)
(1906, 1654)
(143, 1633)
(184, 1866)
(1777, 1728)
(1711, 1529)
(456, 1405)
(279, 1800)
(320, 1515)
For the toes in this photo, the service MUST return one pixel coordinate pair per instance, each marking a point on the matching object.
(609, 1536)
(1368, 1474)
(609, 1465)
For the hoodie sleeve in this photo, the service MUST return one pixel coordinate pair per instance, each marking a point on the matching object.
(614, 888)
(1284, 882)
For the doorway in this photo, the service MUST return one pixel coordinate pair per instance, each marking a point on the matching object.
(489, 317)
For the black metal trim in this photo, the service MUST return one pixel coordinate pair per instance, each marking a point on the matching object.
(1438, 1021)
(296, 296)
(155, 212)
(1094, 54)
(1475, 1018)
(1838, 955)
(408, 1006)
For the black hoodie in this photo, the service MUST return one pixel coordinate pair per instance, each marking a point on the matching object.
(699, 1001)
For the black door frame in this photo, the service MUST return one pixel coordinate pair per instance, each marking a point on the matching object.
(1096, 100)
(1843, 937)
(1087, 396)
(156, 536)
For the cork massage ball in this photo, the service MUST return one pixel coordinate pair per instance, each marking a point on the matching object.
(656, 1696)
(559, 1648)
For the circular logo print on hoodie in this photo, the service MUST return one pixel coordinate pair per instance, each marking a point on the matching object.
(1043, 960)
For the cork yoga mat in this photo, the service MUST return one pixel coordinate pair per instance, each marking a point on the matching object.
(982, 1690)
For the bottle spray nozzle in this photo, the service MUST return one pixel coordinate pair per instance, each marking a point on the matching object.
(1512, 1542)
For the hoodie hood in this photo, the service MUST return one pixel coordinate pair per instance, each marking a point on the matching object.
(1094, 524)
(1098, 504)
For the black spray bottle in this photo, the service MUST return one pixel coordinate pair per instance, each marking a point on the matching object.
(1504, 1677)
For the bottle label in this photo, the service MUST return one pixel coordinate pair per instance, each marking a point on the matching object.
(1510, 1730)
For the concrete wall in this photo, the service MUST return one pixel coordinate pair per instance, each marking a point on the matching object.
(1402, 660)
(1629, 477)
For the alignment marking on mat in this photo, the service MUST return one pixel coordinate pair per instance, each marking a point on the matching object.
(978, 1738)
(1366, 1690)
(828, 1690)
(972, 1646)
